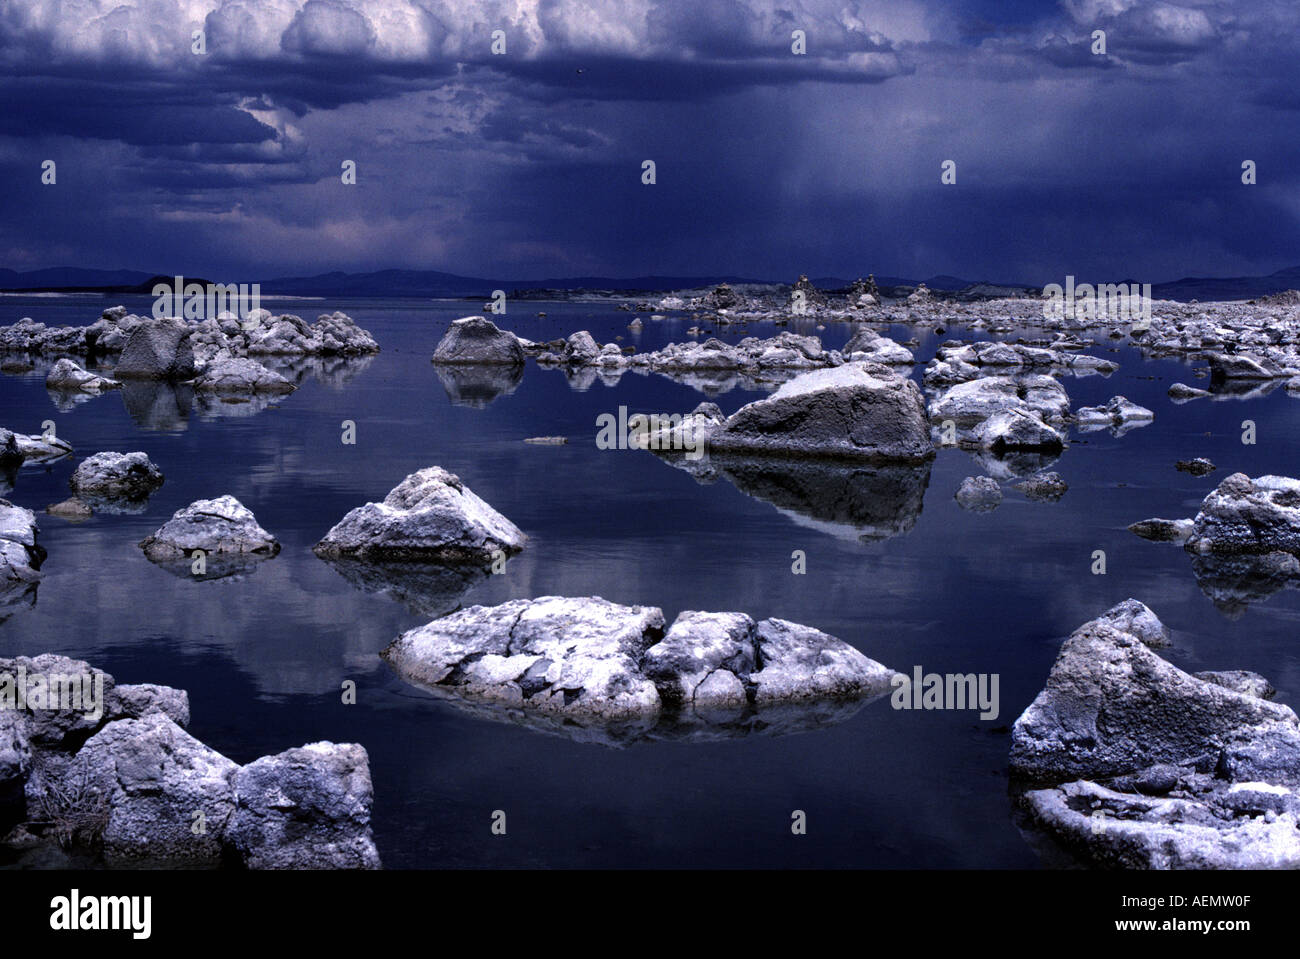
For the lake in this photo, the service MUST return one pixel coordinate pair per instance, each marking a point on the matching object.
(264, 656)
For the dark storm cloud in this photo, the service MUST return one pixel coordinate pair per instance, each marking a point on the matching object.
(769, 163)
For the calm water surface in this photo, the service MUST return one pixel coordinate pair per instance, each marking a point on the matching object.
(264, 656)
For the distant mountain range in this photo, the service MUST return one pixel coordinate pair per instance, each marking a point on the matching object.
(430, 283)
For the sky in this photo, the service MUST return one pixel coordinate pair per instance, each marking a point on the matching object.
(227, 163)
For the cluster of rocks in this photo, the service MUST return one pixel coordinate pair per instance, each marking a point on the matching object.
(125, 783)
(713, 365)
(1244, 540)
(224, 358)
(1127, 761)
(581, 665)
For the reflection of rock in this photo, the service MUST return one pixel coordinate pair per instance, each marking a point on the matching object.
(156, 405)
(332, 371)
(704, 726)
(868, 502)
(428, 589)
(212, 406)
(1234, 582)
(477, 386)
(1012, 464)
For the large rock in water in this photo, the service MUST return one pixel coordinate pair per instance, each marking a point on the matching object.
(855, 411)
(221, 525)
(476, 339)
(1158, 768)
(155, 782)
(157, 349)
(1113, 706)
(127, 781)
(430, 515)
(587, 657)
(129, 476)
(307, 808)
(1245, 515)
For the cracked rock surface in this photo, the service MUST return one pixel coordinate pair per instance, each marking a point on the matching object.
(1134, 763)
(589, 658)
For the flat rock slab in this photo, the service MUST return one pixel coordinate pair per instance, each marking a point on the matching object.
(588, 658)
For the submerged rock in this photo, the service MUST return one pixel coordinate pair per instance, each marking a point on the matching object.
(113, 476)
(1164, 530)
(1044, 487)
(70, 509)
(979, 494)
(1181, 393)
(1196, 467)
(477, 340)
(596, 661)
(430, 515)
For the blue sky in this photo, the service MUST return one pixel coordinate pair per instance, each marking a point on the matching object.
(528, 164)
